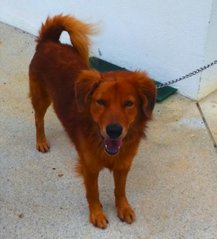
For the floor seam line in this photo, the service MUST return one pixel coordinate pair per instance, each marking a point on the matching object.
(206, 125)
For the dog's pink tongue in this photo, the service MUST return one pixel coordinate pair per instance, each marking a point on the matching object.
(112, 146)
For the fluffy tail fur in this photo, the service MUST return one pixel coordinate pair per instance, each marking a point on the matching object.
(78, 32)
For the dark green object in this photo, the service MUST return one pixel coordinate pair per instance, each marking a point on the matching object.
(103, 66)
(164, 92)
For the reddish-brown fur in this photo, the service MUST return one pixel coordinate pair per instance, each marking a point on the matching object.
(86, 102)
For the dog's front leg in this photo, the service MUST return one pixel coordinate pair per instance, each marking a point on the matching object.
(97, 216)
(124, 210)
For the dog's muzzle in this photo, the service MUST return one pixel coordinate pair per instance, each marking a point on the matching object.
(113, 141)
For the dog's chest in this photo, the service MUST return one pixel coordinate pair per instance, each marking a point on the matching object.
(109, 162)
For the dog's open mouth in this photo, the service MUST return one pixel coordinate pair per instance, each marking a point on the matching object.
(112, 146)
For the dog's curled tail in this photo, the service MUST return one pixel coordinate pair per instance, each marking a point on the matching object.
(78, 32)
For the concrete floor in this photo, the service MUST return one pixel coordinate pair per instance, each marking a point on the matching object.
(208, 106)
(172, 184)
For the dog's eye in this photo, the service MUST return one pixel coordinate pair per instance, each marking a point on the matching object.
(101, 102)
(128, 103)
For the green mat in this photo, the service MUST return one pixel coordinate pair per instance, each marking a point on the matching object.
(103, 66)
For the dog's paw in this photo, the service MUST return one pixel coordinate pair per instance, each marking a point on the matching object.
(43, 146)
(99, 219)
(126, 213)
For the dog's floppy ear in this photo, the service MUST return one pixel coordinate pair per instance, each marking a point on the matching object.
(85, 85)
(147, 92)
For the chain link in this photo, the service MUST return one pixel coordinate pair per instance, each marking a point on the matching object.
(187, 75)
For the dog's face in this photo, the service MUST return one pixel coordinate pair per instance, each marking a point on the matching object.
(115, 100)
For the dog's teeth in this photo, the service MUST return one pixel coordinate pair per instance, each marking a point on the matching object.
(106, 146)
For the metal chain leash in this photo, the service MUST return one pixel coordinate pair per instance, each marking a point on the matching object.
(187, 75)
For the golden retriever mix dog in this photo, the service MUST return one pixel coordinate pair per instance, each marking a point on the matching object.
(104, 114)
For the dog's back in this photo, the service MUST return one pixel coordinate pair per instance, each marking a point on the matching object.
(77, 30)
(60, 61)
(55, 66)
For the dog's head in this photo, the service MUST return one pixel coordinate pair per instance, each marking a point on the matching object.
(115, 100)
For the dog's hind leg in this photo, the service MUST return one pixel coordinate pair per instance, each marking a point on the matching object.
(40, 101)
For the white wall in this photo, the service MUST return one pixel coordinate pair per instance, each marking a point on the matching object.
(209, 78)
(166, 38)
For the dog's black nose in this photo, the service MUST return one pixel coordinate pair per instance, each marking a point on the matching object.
(114, 131)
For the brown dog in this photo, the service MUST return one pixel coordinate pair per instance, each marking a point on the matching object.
(104, 114)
